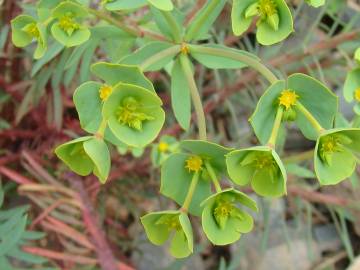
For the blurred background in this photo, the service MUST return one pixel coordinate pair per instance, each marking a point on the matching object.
(53, 220)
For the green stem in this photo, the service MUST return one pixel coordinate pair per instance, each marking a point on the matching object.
(246, 59)
(199, 110)
(275, 131)
(134, 31)
(173, 26)
(159, 56)
(190, 194)
(213, 177)
(312, 120)
(194, 28)
(100, 132)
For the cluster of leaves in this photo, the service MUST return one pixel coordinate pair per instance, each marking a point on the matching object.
(122, 108)
(13, 237)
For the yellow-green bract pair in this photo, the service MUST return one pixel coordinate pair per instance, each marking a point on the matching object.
(123, 109)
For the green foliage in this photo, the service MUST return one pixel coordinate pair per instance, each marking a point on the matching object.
(122, 107)
(13, 236)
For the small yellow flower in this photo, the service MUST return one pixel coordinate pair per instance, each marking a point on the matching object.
(288, 98)
(32, 30)
(105, 92)
(194, 164)
(357, 94)
(163, 147)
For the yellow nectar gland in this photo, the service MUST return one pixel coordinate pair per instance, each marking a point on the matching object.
(357, 94)
(194, 164)
(68, 24)
(163, 147)
(288, 98)
(105, 91)
(267, 8)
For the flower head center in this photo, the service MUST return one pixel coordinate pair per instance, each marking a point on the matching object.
(163, 147)
(267, 8)
(288, 98)
(357, 94)
(68, 24)
(32, 30)
(105, 91)
(194, 164)
(223, 209)
(330, 144)
(264, 161)
(129, 113)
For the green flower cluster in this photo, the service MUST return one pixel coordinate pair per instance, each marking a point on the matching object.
(63, 20)
(352, 84)
(123, 110)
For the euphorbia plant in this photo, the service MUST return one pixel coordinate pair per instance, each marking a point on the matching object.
(122, 108)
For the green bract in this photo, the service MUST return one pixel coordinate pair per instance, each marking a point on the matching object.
(275, 20)
(176, 174)
(336, 154)
(352, 89)
(68, 29)
(222, 220)
(160, 226)
(85, 155)
(316, 3)
(25, 29)
(133, 114)
(162, 150)
(260, 166)
(165, 5)
(90, 96)
(312, 94)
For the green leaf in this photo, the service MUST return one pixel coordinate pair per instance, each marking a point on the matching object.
(176, 179)
(148, 104)
(316, 3)
(150, 49)
(162, 23)
(20, 38)
(53, 51)
(124, 4)
(299, 171)
(218, 62)
(357, 55)
(98, 151)
(180, 96)
(204, 19)
(165, 5)
(113, 74)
